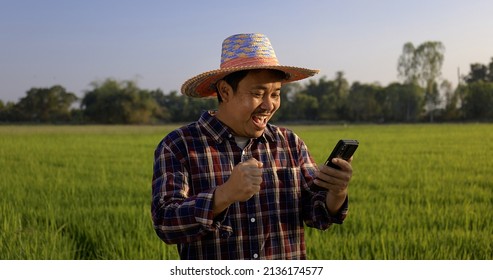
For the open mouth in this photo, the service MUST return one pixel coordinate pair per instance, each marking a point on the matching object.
(260, 121)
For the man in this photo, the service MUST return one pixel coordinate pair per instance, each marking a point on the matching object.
(234, 186)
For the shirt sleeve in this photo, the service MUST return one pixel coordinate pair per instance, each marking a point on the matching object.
(319, 215)
(177, 217)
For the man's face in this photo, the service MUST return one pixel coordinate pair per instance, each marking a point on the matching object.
(255, 101)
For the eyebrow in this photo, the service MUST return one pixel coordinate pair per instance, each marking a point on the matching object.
(260, 86)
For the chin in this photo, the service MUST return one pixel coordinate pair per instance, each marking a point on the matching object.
(257, 134)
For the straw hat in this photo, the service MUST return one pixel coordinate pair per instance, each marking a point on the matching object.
(242, 52)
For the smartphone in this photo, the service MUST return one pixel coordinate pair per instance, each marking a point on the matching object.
(344, 149)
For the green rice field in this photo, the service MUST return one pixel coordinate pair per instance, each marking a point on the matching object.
(419, 192)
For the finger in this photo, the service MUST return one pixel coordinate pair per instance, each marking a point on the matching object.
(331, 186)
(333, 176)
(249, 166)
(255, 186)
(321, 183)
(255, 180)
(343, 164)
(325, 172)
(254, 167)
(331, 181)
(254, 161)
(350, 159)
(251, 161)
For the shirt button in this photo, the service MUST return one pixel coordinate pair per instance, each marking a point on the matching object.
(252, 220)
(255, 256)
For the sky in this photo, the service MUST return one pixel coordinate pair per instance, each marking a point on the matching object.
(160, 44)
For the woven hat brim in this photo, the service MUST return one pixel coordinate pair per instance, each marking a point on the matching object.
(203, 85)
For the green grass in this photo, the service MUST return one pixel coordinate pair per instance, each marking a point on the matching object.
(83, 192)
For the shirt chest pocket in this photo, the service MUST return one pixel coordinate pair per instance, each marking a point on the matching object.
(283, 184)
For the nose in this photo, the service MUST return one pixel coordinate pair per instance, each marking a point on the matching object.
(268, 103)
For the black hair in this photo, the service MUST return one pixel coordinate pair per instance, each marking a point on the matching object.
(233, 79)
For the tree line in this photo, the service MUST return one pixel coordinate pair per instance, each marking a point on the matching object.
(420, 96)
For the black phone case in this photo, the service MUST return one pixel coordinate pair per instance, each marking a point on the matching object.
(344, 149)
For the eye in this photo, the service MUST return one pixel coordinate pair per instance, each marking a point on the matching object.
(258, 94)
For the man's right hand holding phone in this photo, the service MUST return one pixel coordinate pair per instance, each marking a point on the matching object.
(336, 181)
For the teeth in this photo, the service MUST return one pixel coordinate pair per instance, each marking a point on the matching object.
(261, 118)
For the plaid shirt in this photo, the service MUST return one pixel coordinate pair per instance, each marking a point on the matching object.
(192, 160)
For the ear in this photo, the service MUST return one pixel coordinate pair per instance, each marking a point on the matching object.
(225, 90)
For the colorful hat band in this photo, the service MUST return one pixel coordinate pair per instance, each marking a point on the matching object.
(250, 61)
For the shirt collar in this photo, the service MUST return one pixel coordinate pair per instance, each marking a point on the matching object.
(219, 131)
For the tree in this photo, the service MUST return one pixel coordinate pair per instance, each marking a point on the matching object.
(407, 67)
(477, 94)
(341, 89)
(432, 97)
(3, 112)
(478, 101)
(163, 113)
(114, 102)
(402, 102)
(362, 103)
(479, 72)
(451, 111)
(330, 95)
(422, 65)
(322, 91)
(490, 71)
(306, 107)
(430, 57)
(45, 105)
(8, 112)
(288, 109)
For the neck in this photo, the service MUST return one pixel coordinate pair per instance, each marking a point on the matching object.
(225, 120)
